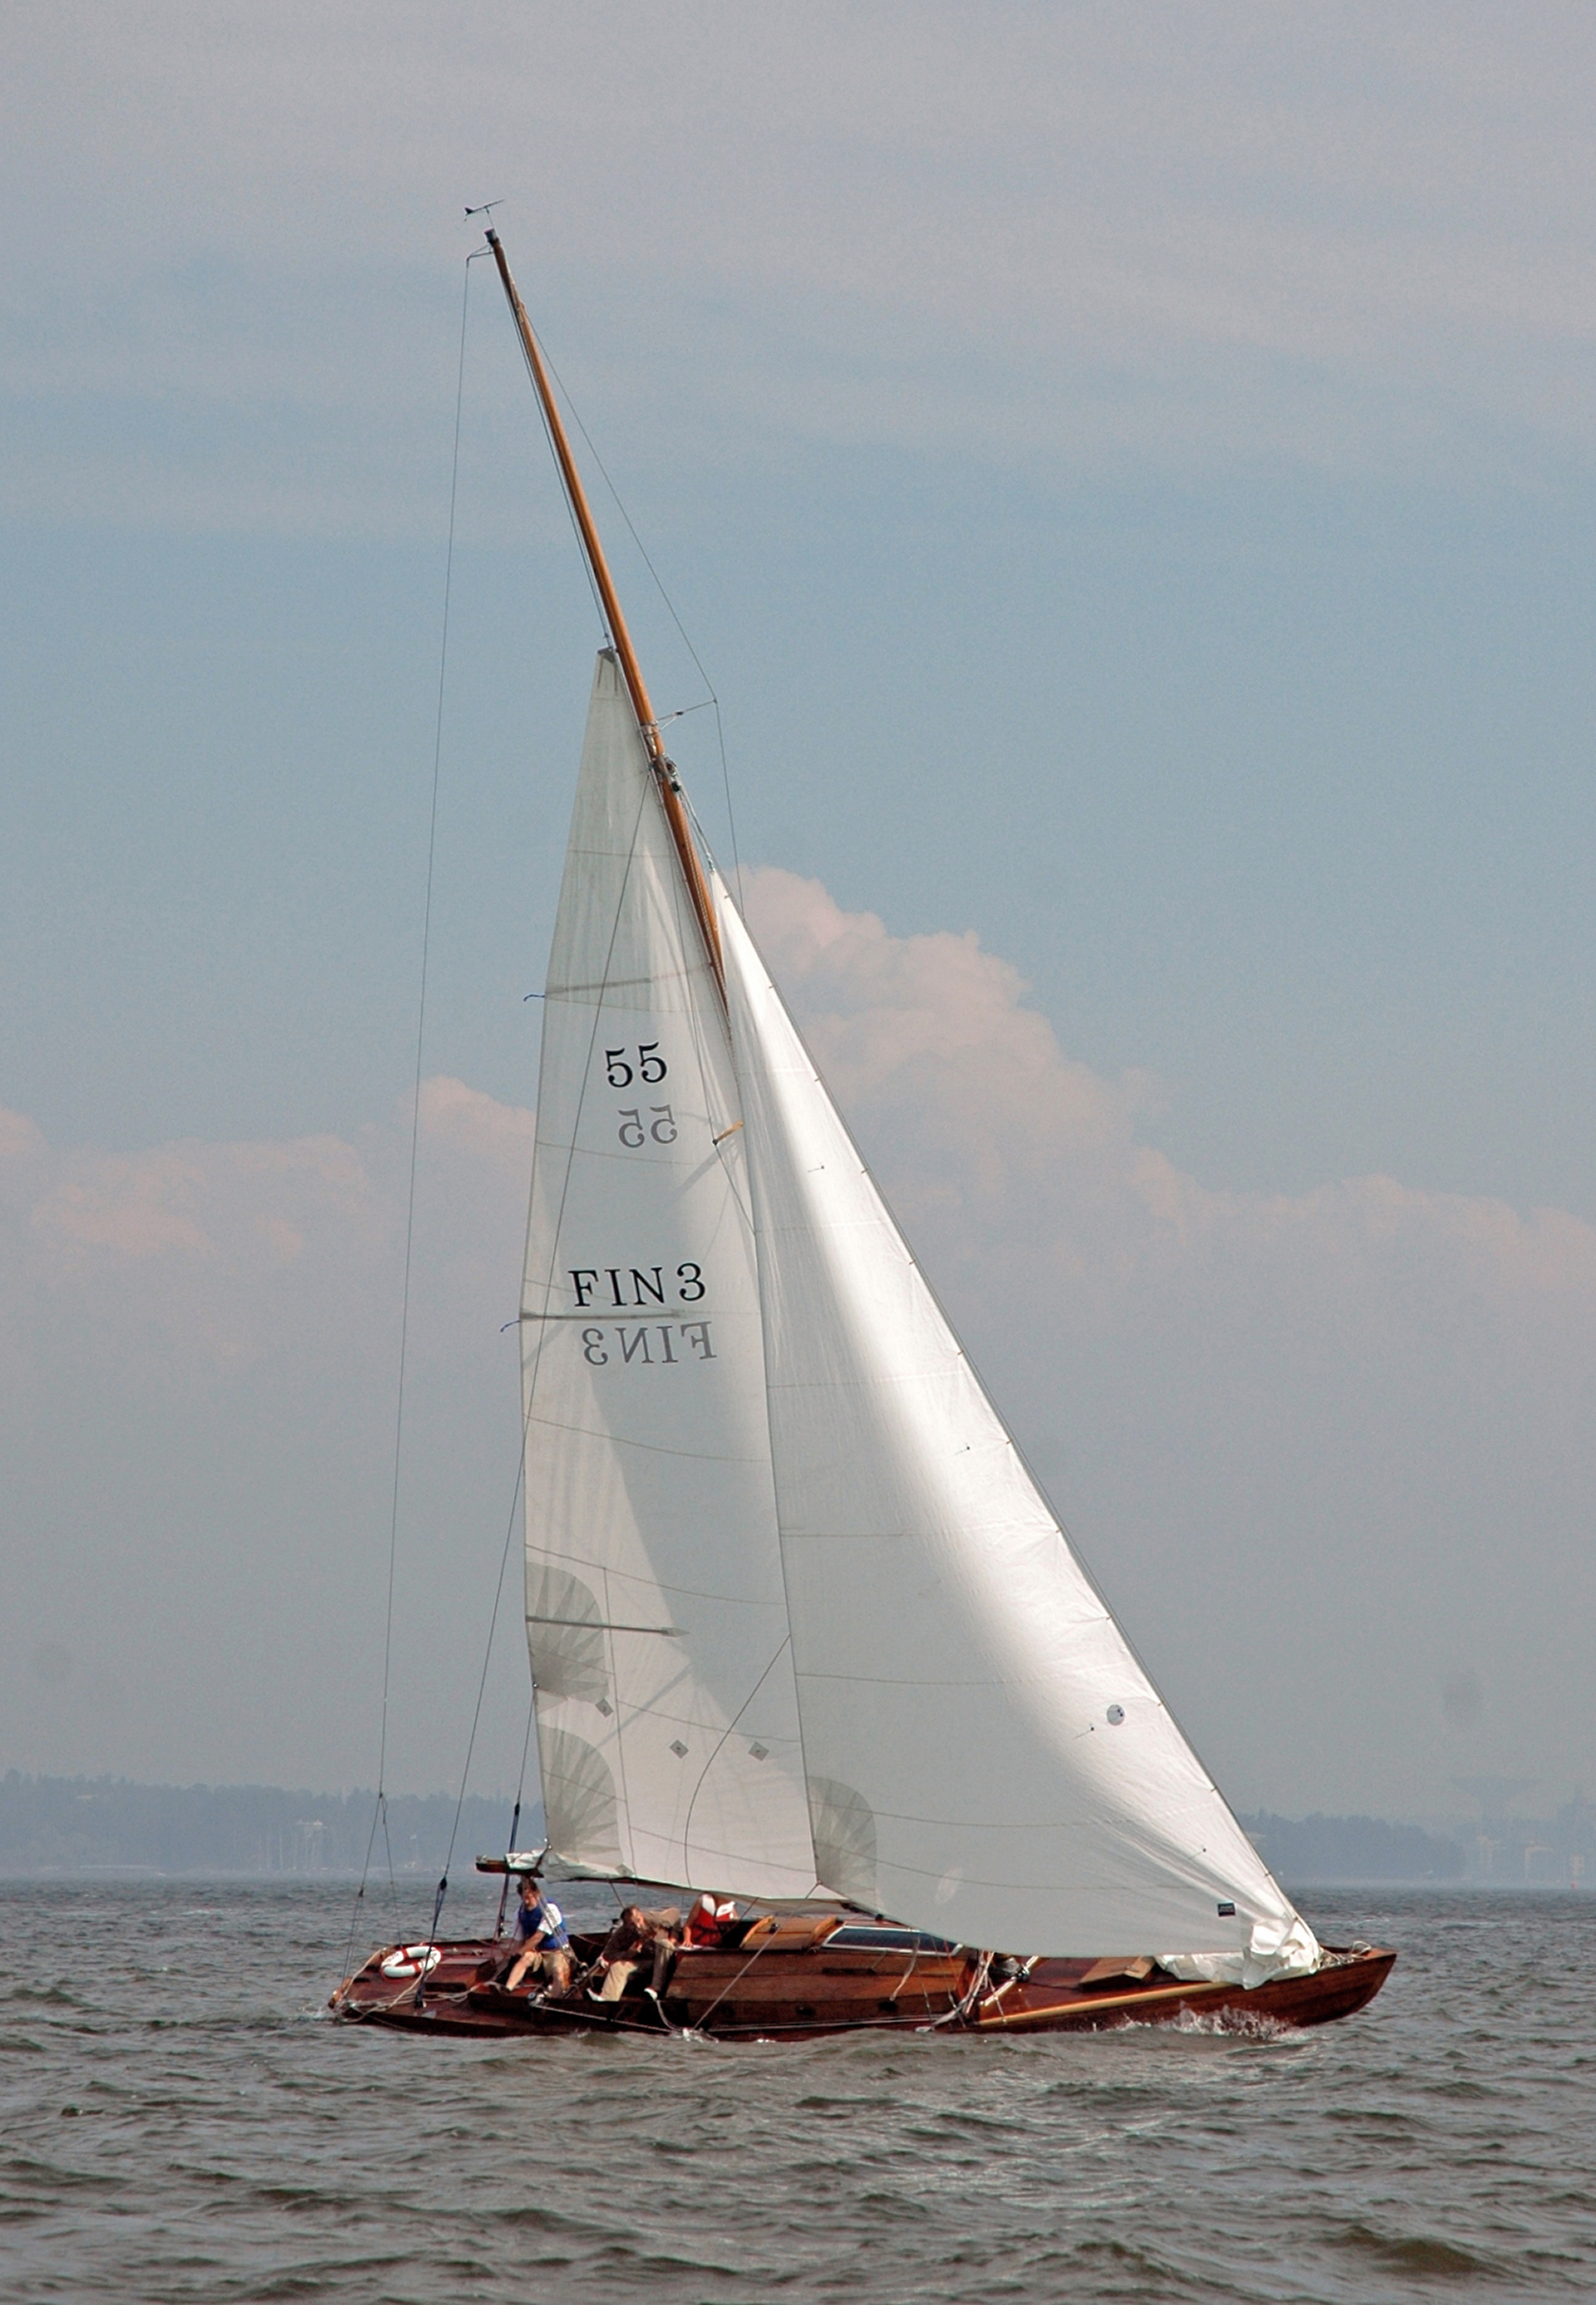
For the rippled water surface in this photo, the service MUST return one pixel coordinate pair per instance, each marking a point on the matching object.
(181, 2121)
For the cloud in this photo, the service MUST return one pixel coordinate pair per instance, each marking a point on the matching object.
(1060, 235)
(478, 1127)
(188, 1243)
(22, 1139)
(1320, 1447)
(1317, 1446)
(199, 1345)
(200, 1240)
(1028, 1161)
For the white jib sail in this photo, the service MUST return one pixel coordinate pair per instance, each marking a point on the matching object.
(985, 1757)
(667, 1715)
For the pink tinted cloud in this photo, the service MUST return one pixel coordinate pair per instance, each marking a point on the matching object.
(1001, 1153)
(1331, 1446)
(1013, 1152)
(1325, 1448)
(477, 1127)
(198, 1253)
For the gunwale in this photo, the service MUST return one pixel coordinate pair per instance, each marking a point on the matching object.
(803, 1992)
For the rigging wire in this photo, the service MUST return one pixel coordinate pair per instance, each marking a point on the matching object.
(470, 1744)
(443, 1885)
(531, 1382)
(726, 777)
(582, 550)
(526, 1747)
(381, 1810)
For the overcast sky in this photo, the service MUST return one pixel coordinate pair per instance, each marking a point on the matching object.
(1129, 474)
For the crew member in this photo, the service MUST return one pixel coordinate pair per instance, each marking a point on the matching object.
(541, 1925)
(709, 1920)
(635, 1937)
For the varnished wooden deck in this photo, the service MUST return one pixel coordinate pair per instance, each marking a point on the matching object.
(789, 1982)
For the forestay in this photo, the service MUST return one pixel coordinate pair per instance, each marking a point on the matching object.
(985, 1756)
(666, 1713)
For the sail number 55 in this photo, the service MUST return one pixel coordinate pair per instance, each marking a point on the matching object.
(644, 1063)
(620, 1069)
(633, 1131)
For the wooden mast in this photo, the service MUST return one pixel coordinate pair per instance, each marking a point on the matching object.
(665, 776)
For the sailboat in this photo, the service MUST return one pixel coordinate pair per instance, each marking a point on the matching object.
(805, 1636)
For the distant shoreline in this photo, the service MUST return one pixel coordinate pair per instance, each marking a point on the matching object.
(111, 1828)
(107, 1827)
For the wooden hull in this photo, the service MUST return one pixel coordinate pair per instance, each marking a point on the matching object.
(806, 1991)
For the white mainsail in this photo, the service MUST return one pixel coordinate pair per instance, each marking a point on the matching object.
(666, 1715)
(985, 1757)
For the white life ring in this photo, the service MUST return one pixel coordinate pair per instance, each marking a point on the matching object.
(411, 1960)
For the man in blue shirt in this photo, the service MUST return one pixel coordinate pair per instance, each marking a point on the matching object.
(540, 1926)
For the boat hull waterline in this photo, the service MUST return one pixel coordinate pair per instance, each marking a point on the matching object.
(807, 1991)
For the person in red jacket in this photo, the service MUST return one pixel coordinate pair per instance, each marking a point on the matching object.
(709, 1920)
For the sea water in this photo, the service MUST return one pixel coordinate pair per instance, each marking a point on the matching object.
(182, 2121)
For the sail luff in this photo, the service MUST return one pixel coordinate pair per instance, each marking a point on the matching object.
(656, 1619)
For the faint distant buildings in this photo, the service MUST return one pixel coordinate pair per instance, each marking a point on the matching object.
(1501, 1852)
(1538, 1853)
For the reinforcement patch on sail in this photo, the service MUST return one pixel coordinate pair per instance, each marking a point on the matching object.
(563, 1634)
(845, 1833)
(955, 1670)
(579, 1800)
(650, 1510)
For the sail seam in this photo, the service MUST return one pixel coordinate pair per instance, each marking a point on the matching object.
(674, 1591)
(720, 1743)
(650, 1447)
